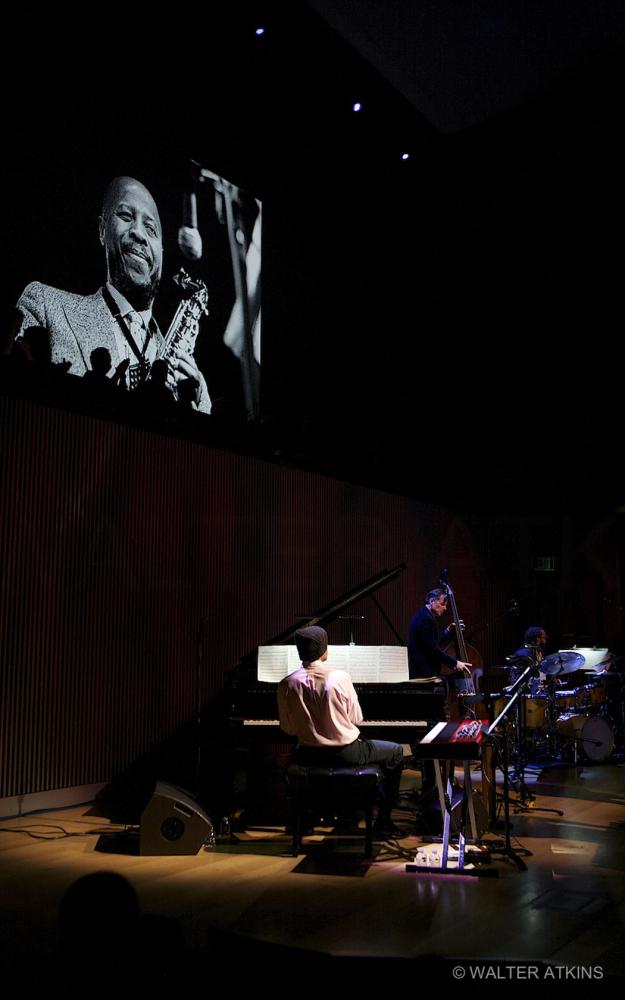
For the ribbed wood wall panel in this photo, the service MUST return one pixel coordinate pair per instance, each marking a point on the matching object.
(116, 543)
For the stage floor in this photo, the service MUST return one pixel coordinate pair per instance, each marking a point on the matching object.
(567, 909)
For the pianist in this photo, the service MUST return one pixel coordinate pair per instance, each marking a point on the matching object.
(319, 706)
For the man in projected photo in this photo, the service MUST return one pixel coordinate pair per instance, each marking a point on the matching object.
(119, 316)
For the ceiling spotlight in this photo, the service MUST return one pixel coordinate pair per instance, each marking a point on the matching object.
(260, 31)
(357, 106)
(405, 156)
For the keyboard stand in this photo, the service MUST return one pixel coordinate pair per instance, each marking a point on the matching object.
(422, 864)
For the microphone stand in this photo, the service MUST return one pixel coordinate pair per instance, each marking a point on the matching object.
(229, 195)
(507, 850)
(514, 692)
(472, 632)
(519, 757)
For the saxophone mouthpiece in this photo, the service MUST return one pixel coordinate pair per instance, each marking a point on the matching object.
(188, 284)
(182, 279)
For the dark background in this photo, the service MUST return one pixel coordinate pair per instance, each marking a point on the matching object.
(445, 326)
(444, 329)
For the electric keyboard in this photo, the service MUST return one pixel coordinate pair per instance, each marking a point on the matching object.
(452, 741)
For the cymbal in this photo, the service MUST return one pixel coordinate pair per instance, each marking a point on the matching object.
(564, 662)
(596, 661)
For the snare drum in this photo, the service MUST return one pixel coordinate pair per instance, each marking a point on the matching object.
(533, 711)
(592, 733)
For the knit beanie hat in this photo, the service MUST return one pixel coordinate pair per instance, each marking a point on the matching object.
(311, 643)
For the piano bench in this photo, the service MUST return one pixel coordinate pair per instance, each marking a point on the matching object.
(331, 790)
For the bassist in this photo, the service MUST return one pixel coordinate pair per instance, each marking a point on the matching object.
(426, 658)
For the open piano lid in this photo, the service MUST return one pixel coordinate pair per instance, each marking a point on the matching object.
(245, 673)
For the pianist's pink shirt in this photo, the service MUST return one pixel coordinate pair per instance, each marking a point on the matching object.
(319, 706)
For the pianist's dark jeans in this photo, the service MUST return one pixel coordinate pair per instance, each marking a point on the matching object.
(389, 756)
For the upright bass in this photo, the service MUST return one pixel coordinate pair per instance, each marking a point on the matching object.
(456, 706)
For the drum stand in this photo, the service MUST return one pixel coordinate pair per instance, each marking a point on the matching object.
(526, 801)
(519, 760)
(577, 741)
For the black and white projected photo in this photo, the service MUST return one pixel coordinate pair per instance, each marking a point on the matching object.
(143, 283)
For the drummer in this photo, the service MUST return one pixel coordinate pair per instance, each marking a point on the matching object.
(532, 650)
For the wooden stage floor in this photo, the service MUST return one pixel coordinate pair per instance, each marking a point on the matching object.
(250, 904)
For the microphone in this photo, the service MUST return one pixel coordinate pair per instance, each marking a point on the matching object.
(189, 239)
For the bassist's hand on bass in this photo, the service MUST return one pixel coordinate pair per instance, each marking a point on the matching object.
(463, 669)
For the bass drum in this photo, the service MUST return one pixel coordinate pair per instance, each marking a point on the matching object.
(593, 733)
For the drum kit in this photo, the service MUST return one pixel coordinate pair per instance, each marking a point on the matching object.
(562, 721)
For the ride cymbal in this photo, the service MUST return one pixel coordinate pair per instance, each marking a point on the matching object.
(564, 662)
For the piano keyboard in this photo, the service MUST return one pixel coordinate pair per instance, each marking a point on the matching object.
(409, 723)
(380, 723)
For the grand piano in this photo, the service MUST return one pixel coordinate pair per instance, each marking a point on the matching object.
(402, 712)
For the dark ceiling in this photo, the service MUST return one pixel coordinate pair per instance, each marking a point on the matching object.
(446, 326)
(462, 63)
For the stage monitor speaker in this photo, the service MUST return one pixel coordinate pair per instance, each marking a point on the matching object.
(173, 823)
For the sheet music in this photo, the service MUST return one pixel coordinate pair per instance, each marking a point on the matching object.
(393, 664)
(365, 664)
(275, 662)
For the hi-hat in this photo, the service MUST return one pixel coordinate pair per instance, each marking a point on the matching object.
(564, 662)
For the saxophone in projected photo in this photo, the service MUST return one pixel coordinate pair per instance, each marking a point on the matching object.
(185, 326)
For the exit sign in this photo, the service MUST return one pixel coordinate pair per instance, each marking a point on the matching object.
(545, 564)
